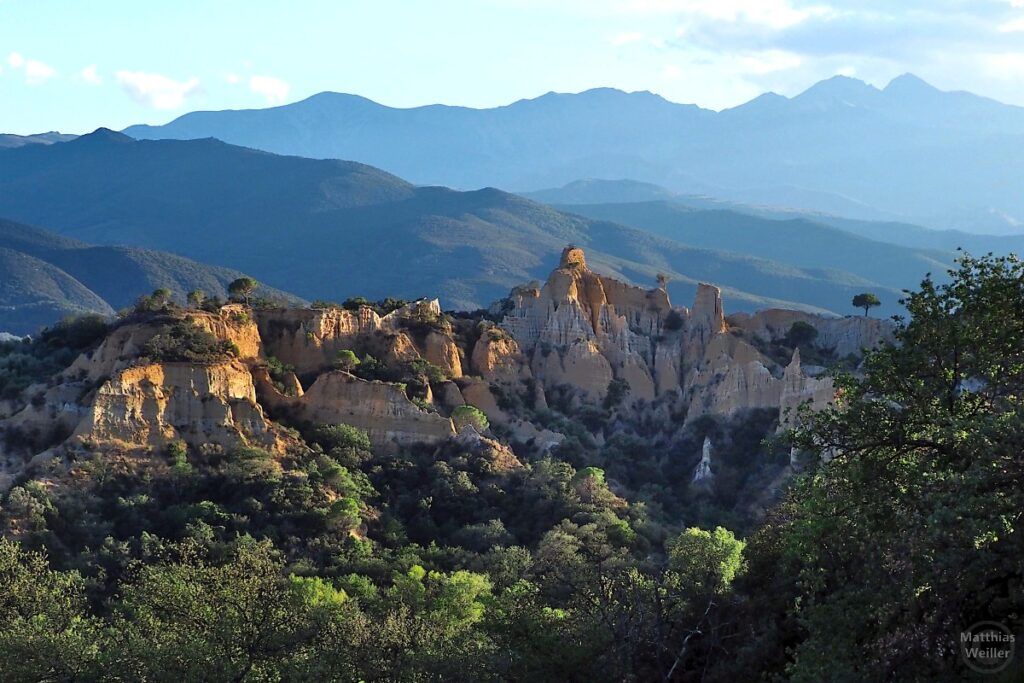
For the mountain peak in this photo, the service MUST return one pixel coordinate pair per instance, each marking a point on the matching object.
(104, 135)
(839, 88)
(907, 83)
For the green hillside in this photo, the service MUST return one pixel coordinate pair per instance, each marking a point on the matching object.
(797, 241)
(34, 293)
(44, 276)
(328, 229)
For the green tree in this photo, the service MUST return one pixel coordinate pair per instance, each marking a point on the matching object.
(188, 618)
(866, 300)
(924, 477)
(161, 297)
(618, 389)
(801, 333)
(45, 632)
(346, 360)
(707, 561)
(242, 288)
(196, 298)
(470, 416)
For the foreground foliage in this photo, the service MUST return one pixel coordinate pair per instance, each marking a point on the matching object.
(591, 564)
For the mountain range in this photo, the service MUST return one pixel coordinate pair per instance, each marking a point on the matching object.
(45, 276)
(7, 140)
(908, 152)
(328, 229)
(628, 196)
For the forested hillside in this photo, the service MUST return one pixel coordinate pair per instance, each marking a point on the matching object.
(329, 229)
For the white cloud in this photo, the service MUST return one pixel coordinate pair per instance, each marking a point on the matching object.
(274, 90)
(1006, 65)
(1012, 26)
(232, 78)
(775, 14)
(769, 62)
(627, 38)
(89, 75)
(36, 72)
(156, 90)
(671, 71)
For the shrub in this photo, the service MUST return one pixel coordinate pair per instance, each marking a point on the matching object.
(618, 389)
(355, 303)
(467, 415)
(801, 334)
(182, 341)
(77, 331)
(346, 360)
(341, 436)
(673, 321)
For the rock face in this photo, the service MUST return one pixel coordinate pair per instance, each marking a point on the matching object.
(390, 419)
(156, 403)
(578, 340)
(584, 330)
(843, 335)
(496, 355)
(702, 472)
(309, 339)
(797, 389)
(114, 394)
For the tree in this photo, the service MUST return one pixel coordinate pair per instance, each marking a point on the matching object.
(191, 618)
(242, 288)
(618, 389)
(924, 476)
(196, 298)
(866, 300)
(161, 297)
(707, 561)
(470, 416)
(801, 334)
(662, 280)
(346, 360)
(45, 634)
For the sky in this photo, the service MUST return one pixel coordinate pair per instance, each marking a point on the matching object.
(73, 66)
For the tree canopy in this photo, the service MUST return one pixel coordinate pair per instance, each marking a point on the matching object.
(866, 300)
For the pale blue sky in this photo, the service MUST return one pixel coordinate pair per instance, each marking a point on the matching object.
(74, 65)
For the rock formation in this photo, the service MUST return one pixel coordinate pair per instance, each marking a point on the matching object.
(581, 339)
(702, 473)
(583, 330)
(844, 336)
(390, 419)
(155, 403)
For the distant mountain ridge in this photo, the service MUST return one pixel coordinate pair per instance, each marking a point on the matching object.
(907, 152)
(8, 141)
(45, 276)
(582, 196)
(327, 229)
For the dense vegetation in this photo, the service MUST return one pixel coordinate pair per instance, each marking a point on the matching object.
(595, 562)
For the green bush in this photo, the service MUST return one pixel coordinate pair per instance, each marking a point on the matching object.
(467, 415)
(182, 341)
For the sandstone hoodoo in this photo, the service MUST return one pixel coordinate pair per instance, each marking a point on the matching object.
(586, 331)
(579, 346)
